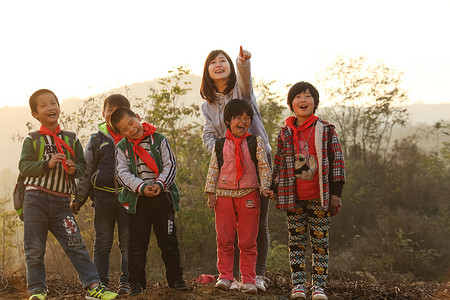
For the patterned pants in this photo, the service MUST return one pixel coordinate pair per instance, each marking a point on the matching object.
(309, 215)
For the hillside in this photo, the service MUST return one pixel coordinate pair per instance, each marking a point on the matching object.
(13, 119)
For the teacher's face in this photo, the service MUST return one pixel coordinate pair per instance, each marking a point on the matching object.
(219, 68)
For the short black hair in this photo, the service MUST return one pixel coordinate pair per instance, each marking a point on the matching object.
(235, 108)
(116, 100)
(32, 102)
(118, 114)
(301, 87)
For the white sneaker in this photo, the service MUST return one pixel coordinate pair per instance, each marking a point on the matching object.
(249, 288)
(298, 292)
(260, 283)
(223, 284)
(318, 293)
(235, 286)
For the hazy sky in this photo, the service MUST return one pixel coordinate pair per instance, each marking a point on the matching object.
(81, 48)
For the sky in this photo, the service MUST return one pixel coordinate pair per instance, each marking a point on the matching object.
(82, 48)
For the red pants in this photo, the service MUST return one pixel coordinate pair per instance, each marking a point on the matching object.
(241, 214)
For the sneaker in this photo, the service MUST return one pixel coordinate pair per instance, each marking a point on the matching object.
(136, 290)
(100, 292)
(38, 295)
(223, 284)
(318, 293)
(298, 292)
(235, 285)
(249, 288)
(124, 289)
(260, 283)
(179, 285)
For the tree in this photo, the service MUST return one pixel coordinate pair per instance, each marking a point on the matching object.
(366, 103)
(270, 108)
(84, 121)
(9, 228)
(164, 108)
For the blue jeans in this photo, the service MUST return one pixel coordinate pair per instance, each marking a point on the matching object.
(42, 213)
(108, 211)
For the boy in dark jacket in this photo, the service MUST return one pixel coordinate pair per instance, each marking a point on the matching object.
(100, 183)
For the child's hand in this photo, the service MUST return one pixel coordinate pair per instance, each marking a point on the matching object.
(244, 54)
(75, 207)
(56, 159)
(335, 204)
(156, 188)
(152, 190)
(212, 200)
(268, 194)
(71, 167)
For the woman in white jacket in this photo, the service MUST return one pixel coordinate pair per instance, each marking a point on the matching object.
(220, 84)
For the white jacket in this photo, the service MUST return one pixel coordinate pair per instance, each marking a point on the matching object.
(215, 127)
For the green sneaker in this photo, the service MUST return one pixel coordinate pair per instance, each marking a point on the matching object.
(38, 295)
(100, 292)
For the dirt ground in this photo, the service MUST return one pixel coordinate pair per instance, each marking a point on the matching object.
(345, 287)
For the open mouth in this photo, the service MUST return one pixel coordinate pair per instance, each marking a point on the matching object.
(241, 129)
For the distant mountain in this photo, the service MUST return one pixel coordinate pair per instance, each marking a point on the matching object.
(428, 113)
(13, 119)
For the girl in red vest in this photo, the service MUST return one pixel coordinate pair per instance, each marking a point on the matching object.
(237, 173)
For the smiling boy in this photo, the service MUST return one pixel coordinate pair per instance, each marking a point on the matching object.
(50, 160)
(146, 168)
(100, 184)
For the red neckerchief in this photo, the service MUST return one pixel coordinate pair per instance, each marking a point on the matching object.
(117, 137)
(140, 151)
(290, 122)
(59, 143)
(237, 151)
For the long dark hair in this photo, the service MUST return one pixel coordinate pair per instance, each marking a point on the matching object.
(208, 86)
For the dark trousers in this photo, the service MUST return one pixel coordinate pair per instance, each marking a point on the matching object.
(108, 212)
(156, 212)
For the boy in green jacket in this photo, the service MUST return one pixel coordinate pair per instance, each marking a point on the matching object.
(50, 160)
(146, 168)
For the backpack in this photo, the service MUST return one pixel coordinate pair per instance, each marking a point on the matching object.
(19, 188)
(18, 195)
(96, 140)
(251, 142)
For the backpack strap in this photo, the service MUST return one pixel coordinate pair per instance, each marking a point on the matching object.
(38, 144)
(96, 141)
(252, 145)
(70, 138)
(219, 151)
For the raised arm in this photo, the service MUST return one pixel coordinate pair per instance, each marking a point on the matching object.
(244, 76)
